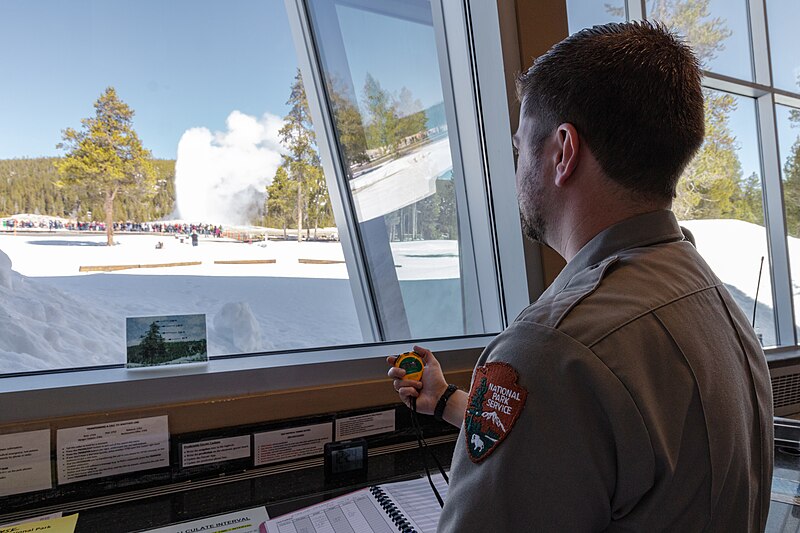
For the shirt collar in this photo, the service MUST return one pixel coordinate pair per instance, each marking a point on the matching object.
(641, 230)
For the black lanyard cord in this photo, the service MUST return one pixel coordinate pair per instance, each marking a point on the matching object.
(423, 448)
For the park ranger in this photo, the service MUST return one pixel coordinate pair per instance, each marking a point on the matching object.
(633, 395)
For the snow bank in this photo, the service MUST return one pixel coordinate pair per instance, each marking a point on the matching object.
(44, 327)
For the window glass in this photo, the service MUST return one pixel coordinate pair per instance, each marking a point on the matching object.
(788, 120)
(784, 19)
(718, 31)
(720, 201)
(224, 157)
(587, 13)
(383, 78)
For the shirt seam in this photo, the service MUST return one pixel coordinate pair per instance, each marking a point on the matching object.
(649, 312)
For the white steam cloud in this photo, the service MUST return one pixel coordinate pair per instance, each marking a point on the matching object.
(220, 177)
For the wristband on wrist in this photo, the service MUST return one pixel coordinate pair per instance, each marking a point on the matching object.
(442, 403)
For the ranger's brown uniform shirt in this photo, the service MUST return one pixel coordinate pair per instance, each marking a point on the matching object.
(643, 401)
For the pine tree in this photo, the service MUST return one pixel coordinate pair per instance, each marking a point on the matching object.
(382, 132)
(107, 156)
(153, 348)
(349, 125)
(301, 161)
(281, 197)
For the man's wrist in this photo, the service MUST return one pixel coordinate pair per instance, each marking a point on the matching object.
(441, 405)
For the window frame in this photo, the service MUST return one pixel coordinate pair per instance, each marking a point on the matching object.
(468, 37)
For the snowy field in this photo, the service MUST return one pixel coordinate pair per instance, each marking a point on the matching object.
(55, 316)
(58, 317)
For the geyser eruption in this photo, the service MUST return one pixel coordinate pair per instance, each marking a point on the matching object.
(220, 177)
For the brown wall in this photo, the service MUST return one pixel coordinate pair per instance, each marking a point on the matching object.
(536, 25)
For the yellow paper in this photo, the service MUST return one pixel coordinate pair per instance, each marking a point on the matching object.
(65, 524)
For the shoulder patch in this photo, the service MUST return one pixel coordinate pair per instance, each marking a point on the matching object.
(495, 402)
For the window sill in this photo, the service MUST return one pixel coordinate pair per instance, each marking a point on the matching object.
(45, 396)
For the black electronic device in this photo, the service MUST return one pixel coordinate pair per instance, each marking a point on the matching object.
(345, 460)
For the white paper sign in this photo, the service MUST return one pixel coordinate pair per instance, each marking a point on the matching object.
(241, 522)
(291, 443)
(111, 448)
(357, 426)
(42, 518)
(25, 462)
(214, 451)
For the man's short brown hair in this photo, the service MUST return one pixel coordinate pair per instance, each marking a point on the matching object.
(632, 91)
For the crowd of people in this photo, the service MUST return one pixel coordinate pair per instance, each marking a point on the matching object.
(57, 224)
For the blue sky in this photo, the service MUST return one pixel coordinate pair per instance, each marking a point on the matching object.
(177, 63)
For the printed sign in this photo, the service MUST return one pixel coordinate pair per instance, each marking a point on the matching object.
(247, 521)
(166, 340)
(215, 451)
(291, 443)
(354, 427)
(25, 462)
(65, 524)
(112, 448)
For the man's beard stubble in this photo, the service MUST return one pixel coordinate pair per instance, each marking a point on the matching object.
(531, 200)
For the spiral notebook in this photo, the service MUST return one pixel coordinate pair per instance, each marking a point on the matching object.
(404, 507)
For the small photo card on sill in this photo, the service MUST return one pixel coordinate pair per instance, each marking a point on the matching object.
(166, 340)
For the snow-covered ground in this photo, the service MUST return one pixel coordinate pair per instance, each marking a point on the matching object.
(55, 316)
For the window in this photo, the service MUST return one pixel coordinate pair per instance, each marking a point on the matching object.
(734, 194)
(213, 113)
(783, 20)
(720, 202)
(717, 30)
(789, 141)
(295, 173)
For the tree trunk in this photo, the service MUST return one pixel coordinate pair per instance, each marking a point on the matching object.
(299, 213)
(108, 205)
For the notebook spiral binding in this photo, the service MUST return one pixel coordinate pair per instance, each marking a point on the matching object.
(391, 510)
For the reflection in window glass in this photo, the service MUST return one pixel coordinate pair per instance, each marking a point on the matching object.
(718, 31)
(784, 19)
(587, 13)
(382, 73)
(720, 201)
(205, 211)
(789, 140)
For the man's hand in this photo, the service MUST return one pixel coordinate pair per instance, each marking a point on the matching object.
(428, 391)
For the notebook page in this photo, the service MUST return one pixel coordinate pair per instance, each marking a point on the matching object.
(356, 512)
(417, 501)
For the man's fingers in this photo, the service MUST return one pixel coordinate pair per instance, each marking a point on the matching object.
(408, 392)
(424, 352)
(406, 384)
(396, 373)
(390, 360)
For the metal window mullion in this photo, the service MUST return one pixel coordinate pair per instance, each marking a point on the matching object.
(762, 68)
(451, 51)
(635, 9)
(308, 63)
(775, 221)
(498, 155)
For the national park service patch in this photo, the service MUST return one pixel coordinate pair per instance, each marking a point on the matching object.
(495, 403)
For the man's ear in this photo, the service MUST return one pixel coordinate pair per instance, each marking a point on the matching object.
(569, 145)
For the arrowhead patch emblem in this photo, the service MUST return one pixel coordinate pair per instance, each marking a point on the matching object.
(495, 402)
